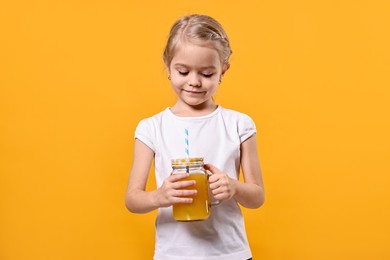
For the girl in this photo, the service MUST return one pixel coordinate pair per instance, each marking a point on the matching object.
(197, 57)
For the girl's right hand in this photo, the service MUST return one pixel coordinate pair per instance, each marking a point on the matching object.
(175, 190)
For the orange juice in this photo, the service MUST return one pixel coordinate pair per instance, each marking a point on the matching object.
(199, 209)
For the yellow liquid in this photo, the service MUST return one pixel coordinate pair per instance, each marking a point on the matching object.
(199, 209)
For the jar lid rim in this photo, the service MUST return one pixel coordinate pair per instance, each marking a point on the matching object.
(187, 161)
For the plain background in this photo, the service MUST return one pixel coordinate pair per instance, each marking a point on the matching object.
(77, 76)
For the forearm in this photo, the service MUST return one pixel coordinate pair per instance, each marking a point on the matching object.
(173, 190)
(249, 195)
(140, 201)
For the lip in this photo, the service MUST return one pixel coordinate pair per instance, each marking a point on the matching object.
(193, 92)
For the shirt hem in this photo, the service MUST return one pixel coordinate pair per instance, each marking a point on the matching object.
(239, 255)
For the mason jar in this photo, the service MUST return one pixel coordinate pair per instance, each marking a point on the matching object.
(199, 209)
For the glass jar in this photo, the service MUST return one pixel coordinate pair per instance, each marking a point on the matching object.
(199, 209)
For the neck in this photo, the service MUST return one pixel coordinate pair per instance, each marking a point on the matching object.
(181, 109)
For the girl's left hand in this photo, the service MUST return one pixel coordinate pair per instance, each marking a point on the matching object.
(221, 185)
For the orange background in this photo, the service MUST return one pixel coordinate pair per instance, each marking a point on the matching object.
(77, 76)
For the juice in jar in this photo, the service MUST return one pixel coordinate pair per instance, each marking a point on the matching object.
(199, 209)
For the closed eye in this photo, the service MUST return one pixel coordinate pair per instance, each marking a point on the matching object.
(208, 75)
(183, 73)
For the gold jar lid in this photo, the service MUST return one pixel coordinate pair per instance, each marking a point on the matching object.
(195, 161)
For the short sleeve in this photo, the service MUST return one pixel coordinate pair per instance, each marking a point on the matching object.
(145, 133)
(246, 127)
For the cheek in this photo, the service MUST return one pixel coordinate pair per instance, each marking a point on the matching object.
(212, 83)
(176, 83)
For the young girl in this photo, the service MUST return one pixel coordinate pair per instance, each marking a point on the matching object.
(197, 57)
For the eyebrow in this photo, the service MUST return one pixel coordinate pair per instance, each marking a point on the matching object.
(205, 67)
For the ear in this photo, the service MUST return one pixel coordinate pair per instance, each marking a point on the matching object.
(167, 66)
(226, 66)
(168, 70)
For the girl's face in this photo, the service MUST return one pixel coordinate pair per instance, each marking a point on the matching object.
(195, 72)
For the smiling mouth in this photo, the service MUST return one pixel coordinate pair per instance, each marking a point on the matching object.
(194, 92)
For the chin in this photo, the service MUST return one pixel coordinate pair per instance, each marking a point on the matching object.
(198, 105)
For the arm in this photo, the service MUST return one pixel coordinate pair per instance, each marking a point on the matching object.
(140, 201)
(249, 193)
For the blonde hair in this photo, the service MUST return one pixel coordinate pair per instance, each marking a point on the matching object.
(198, 29)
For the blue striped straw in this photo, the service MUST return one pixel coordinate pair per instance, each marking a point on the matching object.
(187, 144)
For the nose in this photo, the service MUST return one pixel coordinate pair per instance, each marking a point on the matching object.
(194, 81)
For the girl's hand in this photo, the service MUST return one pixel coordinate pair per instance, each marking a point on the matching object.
(222, 186)
(173, 190)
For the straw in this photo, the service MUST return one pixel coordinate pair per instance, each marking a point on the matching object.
(187, 150)
(187, 144)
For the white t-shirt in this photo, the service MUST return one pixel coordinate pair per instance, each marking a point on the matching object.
(216, 137)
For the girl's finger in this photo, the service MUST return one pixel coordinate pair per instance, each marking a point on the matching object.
(179, 200)
(177, 177)
(212, 168)
(214, 185)
(217, 191)
(214, 178)
(221, 196)
(183, 184)
(185, 193)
